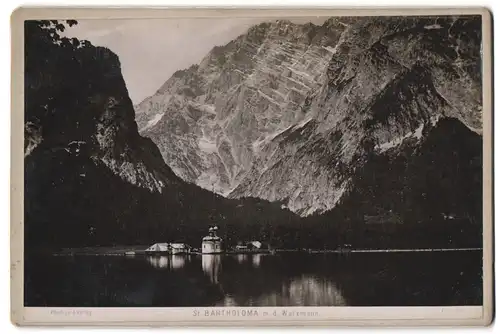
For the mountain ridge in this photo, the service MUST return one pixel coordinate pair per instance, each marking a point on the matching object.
(90, 178)
(331, 73)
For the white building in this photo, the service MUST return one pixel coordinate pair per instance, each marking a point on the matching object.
(211, 244)
(158, 247)
(170, 248)
(178, 248)
(256, 244)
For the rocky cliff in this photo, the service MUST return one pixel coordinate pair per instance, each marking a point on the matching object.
(215, 116)
(90, 178)
(369, 127)
(294, 113)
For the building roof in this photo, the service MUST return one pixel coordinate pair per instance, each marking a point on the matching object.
(256, 244)
(179, 245)
(165, 245)
(158, 246)
(210, 238)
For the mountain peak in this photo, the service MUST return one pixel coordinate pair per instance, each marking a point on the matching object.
(282, 22)
(282, 112)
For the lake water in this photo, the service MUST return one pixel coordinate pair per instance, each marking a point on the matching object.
(356, 279)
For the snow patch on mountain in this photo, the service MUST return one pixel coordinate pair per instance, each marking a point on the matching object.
(153, 121)
(398, 140)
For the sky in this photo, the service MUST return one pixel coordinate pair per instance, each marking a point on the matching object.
(151, 50)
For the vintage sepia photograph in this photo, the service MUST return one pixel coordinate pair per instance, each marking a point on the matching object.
(254, 161)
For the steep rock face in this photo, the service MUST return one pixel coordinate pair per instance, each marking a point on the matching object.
(293, 126)
(84, 160)
(419, 193)
(315, 165)
(78, 114)
(90, 178)
(439, 177)
(210, 121)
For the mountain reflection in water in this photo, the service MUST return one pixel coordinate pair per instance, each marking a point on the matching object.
(250, 284)
(378, 279)
(303, 291)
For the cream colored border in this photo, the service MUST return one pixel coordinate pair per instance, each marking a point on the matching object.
(327, 316)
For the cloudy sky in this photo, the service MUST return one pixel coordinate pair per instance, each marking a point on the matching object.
(151, 50)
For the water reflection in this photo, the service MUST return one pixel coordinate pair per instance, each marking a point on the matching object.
(250, 281)
(167, 262)
(178, 261)
(228, 301)
(256, 260)
(158, 261)
(211, 265)
(305, 291)
(280, 280)
(310, 290)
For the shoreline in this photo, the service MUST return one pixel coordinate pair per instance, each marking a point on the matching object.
(122, 251)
